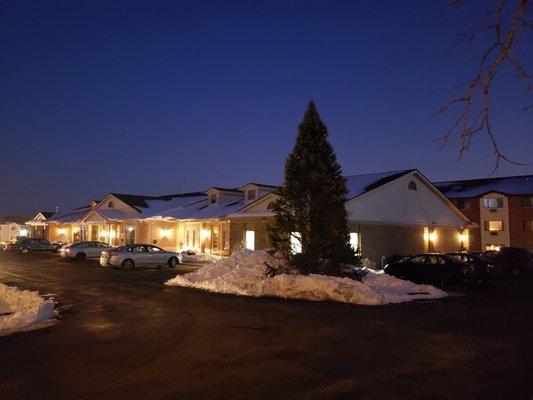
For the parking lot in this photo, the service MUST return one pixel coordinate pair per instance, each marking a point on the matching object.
(124, 335)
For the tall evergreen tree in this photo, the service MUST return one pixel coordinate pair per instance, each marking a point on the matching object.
(311, 207)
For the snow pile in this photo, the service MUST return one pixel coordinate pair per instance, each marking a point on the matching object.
(19, 309)
(244, 274)
(192, 256)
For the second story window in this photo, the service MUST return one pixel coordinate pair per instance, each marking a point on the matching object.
(494, 226)
(493, 203)
(528, 225)
(412, 186)
(527, 201)
(110, 205)
(463, 204)
(213, 198)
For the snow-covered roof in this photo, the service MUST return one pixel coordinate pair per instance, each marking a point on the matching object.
(158, 206)
(201, 210)
(359, 184)
(510, 185)
(68, 216)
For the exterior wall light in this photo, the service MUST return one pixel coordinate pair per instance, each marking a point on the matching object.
(165, 233)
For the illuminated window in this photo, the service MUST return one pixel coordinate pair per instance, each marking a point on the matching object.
(354, 241)
(493, 203)
(249, 239)
(494, 226)
(412, 186)
(493, 247)
(296, 242)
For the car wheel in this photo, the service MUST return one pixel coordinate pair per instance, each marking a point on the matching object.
(127, 265)
(80, 256)
(173, 262)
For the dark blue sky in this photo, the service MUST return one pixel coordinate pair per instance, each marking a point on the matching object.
(157, 97)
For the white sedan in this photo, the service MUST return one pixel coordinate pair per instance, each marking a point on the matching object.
(82, 250)
(139, 255)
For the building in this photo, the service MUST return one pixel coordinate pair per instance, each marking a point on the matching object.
(501, 207)
(12, 227)
(38, 225)
(389, 213)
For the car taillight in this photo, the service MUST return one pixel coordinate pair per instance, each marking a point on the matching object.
(112, 253)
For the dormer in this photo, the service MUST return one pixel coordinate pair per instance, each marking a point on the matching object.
(213, 196)
(222, 196)
(252, 191)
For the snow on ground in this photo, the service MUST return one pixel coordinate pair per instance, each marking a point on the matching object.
(244, 274)
(191, 256)
(22, 309)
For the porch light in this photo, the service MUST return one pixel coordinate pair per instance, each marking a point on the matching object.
(165, 233)
(432, 237)
(23, 232)
(62, 231)
(204, 234)
(130, 228)
(463, 237)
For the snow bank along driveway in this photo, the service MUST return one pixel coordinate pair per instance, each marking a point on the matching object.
(20, 309)
(244, 274)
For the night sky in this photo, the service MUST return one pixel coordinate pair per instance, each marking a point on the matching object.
(159, 97)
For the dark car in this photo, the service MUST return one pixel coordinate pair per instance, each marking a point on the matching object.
(28, 244)
(434, 268)
(513, 261)
(486, 267)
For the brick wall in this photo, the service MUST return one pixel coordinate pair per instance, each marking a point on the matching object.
(473, 214)
(517, 215)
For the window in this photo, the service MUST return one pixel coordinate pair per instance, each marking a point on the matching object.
(110, 205)
(494, 226)
(493, 247)
(251, 194)
(463, 204)
(528, 225)
(527, 201)
(296, 242)
(154, 249)
(213, 198)
(418, 260)
(354, 241)
(412, 186)
(493, 203)
(138, 249)
(129, 235)
(249, 238)
(435, 260)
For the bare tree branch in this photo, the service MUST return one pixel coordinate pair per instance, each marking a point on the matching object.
(475, 112)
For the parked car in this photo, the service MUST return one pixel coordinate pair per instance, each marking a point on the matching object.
(139, 255)
(513, 261)
(82, 250)
(27, 244)
(58, 245)
(486, 268)
(434, 268)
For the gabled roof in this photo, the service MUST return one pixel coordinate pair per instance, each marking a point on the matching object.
(226, 190)
(359, 184)
(260, 185)
(507, 185)
(46, 214)
(135, 201)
